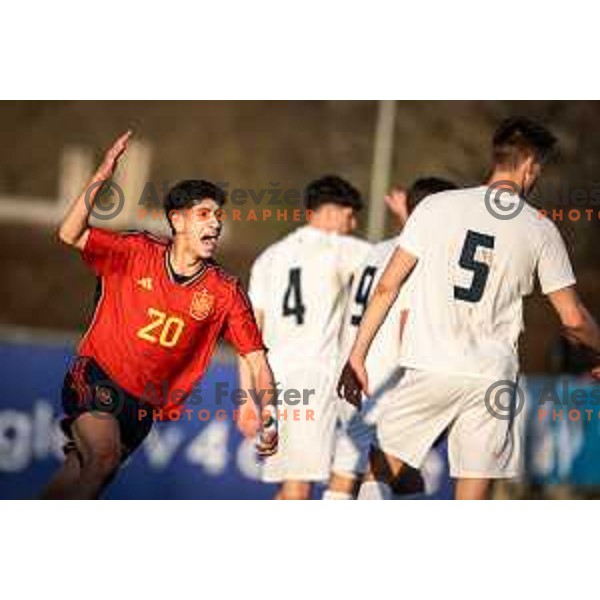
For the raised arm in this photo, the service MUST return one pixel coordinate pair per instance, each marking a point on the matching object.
(74, 228)
(397, 203)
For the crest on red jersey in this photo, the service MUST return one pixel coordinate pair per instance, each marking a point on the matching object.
(202, 303)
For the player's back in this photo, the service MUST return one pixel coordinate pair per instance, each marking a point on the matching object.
(473, 271)
(301, 284)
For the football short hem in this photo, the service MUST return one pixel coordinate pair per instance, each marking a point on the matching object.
(310, 477)
(466, 474)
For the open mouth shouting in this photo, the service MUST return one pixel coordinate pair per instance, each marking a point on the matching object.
(209, 240)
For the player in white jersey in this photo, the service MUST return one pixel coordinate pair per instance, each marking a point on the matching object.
(299, 288)
(476, 252)
(356, 437)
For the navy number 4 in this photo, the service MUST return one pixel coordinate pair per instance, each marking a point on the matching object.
(292, 299)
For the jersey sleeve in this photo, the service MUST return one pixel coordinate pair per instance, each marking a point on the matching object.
(107, 251)
(413, 236)
(241, 329)
(554, 266)
(404, 297)
(258, 288)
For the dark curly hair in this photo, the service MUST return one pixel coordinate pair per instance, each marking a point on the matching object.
(190, 192)
(332, 189)
(425, 186)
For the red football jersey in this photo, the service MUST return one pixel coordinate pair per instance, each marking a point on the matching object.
(151, 334)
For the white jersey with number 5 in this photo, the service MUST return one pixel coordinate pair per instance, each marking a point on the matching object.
(473, 271)
(301, 284)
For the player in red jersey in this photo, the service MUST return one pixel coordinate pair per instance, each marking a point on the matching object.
(163, 306)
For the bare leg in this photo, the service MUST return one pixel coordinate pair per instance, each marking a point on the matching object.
(473, 489)
(98, 444)
(376, 484)
(343, 485)
(294, 490)
(385, 467)
(65, 478)
(402, 478)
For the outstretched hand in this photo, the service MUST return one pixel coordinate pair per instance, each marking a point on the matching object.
(113, 154)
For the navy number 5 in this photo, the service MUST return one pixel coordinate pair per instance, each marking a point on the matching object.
(480, 269)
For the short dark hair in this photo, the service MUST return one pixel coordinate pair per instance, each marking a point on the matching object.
(190, 192)
(332, 189)
(425, 186)
(517, 138)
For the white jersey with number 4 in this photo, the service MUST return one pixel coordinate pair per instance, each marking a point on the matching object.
(301, 284)
(473, 271)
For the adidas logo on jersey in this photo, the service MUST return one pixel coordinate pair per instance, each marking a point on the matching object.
(146, 283)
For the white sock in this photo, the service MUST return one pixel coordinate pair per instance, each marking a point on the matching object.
(374, 490)
(329, 495)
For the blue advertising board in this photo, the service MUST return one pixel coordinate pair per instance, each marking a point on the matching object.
(210, 459)
(563, 431)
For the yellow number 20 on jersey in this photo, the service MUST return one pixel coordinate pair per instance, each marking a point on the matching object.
(162, 329)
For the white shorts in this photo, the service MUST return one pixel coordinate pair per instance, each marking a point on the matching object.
(357, 431)
(424, 404)
(306, 428)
